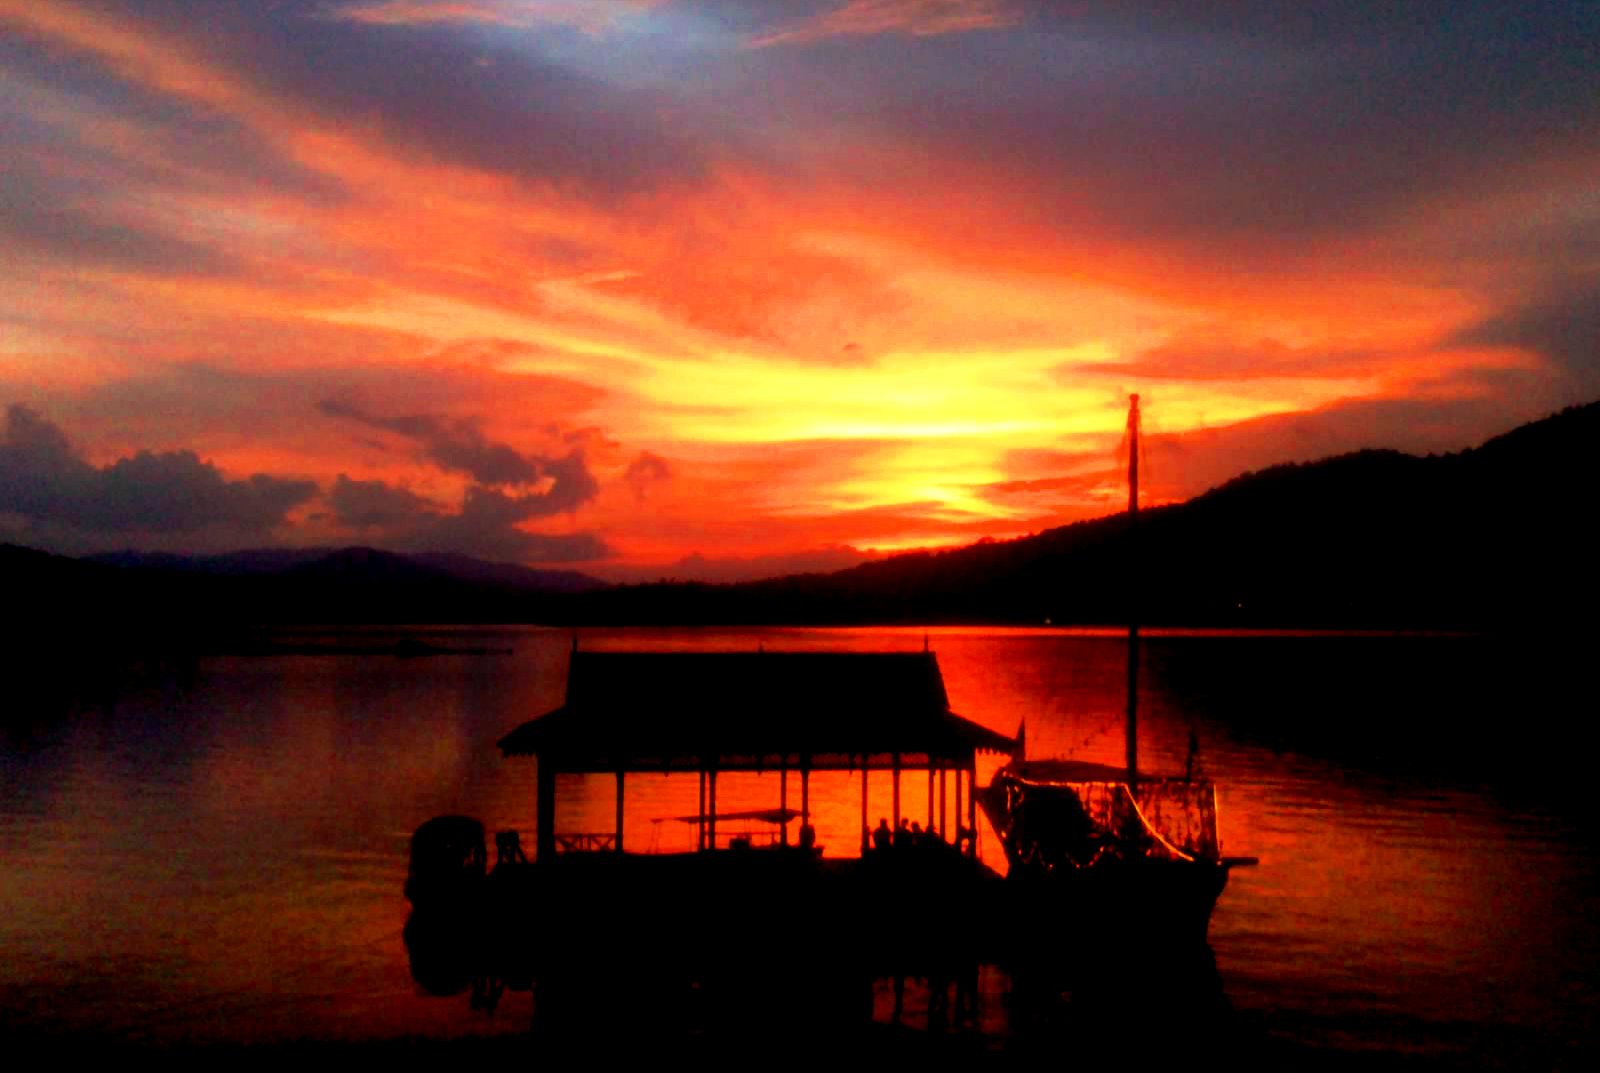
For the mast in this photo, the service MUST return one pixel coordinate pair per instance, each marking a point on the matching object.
(1133, 611)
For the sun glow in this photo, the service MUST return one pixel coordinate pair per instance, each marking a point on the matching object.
(757, 322)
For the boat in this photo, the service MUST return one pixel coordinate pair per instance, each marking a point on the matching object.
(1113, 855)
(1094, 854)
(448, 863)
(750, 910)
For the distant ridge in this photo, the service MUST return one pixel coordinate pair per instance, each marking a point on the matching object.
(1497, 536)
(165, 595)
(509, 574)
(275, 560)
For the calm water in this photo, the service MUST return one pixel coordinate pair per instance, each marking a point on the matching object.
(218, 855)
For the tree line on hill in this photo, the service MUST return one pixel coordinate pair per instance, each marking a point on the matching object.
(1494, 537)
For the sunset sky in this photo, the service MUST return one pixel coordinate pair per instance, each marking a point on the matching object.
(716, 288)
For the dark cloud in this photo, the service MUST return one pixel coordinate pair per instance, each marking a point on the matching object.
(647, 469)
(1312, 23)
(1221, 128)
(915, 18)
(1214, 356)
(461, 446)
(259, 404)
(451, 91)
(255, 397)
(486, 526)
(1076, 488)
(454, 445)
(1320, 23)
(94, 163)
(574, 485)
(40, 214)
(698, 567)
(188, 147)
(1561, 323)
(370, 504)
(1260, 127)
(68, 234)
(44, 480)
(492, 509)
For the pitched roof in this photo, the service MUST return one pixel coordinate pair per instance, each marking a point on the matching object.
(680, 710)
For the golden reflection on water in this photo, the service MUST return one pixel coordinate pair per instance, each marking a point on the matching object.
(227, 864)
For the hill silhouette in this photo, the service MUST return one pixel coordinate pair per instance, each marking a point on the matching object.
(346, 562)
(1495, 536)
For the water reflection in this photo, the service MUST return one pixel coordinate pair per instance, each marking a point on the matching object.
(805, 960)
(224, 860)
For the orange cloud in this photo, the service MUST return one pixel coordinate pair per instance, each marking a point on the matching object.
(916, 18)
(591, 16)
(855, 323)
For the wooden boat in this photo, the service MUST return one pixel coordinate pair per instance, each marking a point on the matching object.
(1108, 859)
(1111, 855)
(448, 863)
(732, 917)
(1095, 853)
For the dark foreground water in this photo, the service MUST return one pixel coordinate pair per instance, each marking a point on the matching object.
(215, 853)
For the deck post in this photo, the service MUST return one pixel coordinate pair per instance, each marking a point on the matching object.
(545, 806)
(930, 795)
(896, 791)
(783, 799)
(972, 804)
(711, 814)
(619, 810)
(866, 832)
(944, 831)
(805, 792)
(957, 774)
(700, 824)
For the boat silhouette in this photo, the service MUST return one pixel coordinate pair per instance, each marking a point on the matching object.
(784, 930)
(1102, 855)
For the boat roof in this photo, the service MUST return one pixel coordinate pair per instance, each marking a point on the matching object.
(687, 711)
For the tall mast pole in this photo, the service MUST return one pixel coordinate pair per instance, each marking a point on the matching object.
(1133, 611)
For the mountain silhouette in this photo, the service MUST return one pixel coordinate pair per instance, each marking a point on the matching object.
(1493, 536)
(277, 560)
(1496, 536)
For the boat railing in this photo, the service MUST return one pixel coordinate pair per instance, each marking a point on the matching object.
(587, 842)
(1182, 813)
(747, 839)
(606, 841)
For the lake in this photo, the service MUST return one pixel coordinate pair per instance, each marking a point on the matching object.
(214, 852)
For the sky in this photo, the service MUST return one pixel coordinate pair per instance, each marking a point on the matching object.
(717, 289)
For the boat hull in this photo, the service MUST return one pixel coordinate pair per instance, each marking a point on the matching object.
(1095, 862)
(1141, 905)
